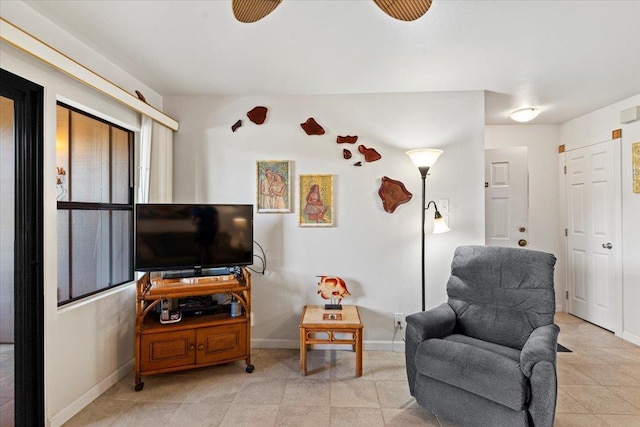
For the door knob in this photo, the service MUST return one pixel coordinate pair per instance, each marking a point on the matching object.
(522, 242)
(522, 229)
(607, 245)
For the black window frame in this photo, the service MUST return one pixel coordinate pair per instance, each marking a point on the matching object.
(110, 207)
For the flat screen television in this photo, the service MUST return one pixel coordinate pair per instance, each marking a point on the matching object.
(190, 239)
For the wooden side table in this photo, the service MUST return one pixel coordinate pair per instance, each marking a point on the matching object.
(320, 326)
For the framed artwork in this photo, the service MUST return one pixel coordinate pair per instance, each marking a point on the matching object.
(273, 183)
(635, 166)
(316, 201)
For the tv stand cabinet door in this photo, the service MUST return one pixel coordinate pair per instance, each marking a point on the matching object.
(167, 350)
(220, 343)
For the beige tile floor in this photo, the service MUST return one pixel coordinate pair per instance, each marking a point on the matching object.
(6, 385)
(599, 382)
(599, 385)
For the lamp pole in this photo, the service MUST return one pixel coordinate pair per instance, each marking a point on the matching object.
(423, 159)
(423, 171)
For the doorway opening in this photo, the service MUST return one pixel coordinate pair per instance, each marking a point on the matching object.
(23, 140)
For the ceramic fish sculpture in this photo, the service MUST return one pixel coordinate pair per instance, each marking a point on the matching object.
(332, 287)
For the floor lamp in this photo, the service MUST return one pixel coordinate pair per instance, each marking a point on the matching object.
(424, 159)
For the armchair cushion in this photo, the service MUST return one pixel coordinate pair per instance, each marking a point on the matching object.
(494, 375)
(502, 350)
(501, 294)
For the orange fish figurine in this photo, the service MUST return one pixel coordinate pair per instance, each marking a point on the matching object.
(333, 288)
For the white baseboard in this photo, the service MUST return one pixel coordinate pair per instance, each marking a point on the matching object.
(384, 345)
(80, 403)
(631, 338)
(295, 344)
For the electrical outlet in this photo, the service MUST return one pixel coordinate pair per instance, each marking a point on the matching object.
(443, 204)
(398, 321)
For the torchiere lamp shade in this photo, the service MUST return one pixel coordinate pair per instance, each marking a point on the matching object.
(424, 157)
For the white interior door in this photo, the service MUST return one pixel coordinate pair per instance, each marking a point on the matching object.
(506, 197)
(593, 232)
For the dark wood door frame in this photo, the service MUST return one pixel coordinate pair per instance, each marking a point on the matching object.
(28, 100)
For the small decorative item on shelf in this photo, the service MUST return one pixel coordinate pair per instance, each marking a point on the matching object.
(332, 288)
(236, 308)
(141, 96)
(346, 153)
(236, 125)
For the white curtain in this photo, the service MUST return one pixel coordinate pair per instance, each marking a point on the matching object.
(156, 163)
(145, 159)
(161, 174)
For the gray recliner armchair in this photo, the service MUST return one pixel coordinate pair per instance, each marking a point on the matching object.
(487, 357)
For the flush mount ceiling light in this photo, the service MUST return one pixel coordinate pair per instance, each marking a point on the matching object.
(404, 10)
(525, 114)
(248, 11)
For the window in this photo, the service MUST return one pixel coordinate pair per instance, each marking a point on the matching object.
(95, 204)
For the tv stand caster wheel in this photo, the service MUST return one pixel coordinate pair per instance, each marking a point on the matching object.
(139, 386)
(250, 368)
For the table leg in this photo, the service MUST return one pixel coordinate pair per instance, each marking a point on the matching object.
(303, 351)
(358, 352)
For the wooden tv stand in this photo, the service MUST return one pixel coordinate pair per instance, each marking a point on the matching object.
(192, 342)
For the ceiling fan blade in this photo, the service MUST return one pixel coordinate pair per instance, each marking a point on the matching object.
(404, 10)
(248, 11)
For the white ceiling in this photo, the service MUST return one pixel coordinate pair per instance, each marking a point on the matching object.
(566, 57)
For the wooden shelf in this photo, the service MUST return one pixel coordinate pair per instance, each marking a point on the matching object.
(152, 325)
(193, 341)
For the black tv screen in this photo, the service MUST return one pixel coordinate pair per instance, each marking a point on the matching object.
(174, 237)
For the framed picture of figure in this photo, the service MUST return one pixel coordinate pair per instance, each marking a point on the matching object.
(273, 186)
(316, 201)
(635, 159)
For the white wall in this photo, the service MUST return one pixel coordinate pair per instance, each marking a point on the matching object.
(545, 226)
(88, 345)
(596, 127)
(377, 253)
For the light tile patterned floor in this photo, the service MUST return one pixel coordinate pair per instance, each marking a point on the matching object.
(599, 385)
(6, 385)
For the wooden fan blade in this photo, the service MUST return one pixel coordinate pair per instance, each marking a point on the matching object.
(404, 10)
(248, 11)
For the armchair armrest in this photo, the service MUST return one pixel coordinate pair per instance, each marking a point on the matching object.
(540, 347)
(435, 323)
(538, 363)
